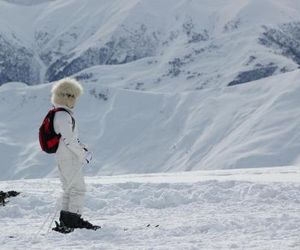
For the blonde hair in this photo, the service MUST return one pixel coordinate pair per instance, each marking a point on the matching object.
(66, 91)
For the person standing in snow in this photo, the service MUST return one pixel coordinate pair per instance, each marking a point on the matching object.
(71, 154)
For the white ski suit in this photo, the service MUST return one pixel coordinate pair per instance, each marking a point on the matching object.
(70, 157)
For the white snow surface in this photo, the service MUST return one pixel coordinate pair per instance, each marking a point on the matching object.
(255, 209)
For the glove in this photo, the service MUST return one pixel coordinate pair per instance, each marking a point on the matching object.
(88, 157)
(82, 145)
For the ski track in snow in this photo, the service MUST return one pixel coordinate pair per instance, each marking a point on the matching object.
(225, 209)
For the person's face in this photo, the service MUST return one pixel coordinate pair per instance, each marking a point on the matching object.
(71, 100)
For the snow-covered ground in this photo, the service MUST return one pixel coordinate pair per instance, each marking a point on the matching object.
(223, 209)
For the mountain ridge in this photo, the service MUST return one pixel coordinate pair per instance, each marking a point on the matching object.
(191, 41)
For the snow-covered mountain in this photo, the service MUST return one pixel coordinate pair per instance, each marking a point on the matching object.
(162, 82)
(193, 44)
(243, 126)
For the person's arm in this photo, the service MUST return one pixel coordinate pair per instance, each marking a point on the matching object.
(63, 126)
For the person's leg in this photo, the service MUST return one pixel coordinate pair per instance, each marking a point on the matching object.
(64, 181)
(73, 185)
(63, 174)
(73, 197)
(77, 194)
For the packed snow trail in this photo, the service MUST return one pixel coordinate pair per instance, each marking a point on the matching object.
(225, 209)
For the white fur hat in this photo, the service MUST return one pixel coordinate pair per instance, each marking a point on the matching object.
(64, 90)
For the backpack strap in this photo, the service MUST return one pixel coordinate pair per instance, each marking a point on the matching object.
(63, 109)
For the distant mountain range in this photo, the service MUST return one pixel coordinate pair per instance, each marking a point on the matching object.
(189, 45)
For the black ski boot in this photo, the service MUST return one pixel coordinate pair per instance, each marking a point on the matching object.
(70, 220)
(64, 226)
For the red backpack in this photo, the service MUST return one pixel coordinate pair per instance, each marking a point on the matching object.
(49, 140)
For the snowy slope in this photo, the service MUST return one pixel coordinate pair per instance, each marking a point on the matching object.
(191, 44)
(244, 126)
(255, 209)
